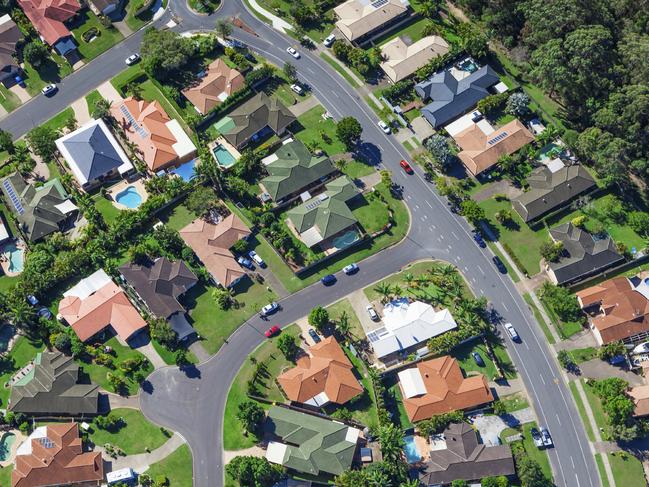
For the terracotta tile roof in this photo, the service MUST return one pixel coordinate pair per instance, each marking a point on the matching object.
(219, 83)
(326, 369)
(48, 17)
(56, 458)
(211, 243)
(640, 396)
(446, 390)
(481, 151)
(624, 311)
(107, 306)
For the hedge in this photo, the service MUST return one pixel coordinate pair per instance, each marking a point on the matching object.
(515, 259)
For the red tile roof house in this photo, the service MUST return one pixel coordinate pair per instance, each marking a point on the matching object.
(49, 18)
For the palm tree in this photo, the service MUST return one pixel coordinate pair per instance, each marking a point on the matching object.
(408, 279)
(22, 314)
(391, 439)
(342, 325)
(410, 483)
(384, 290)
(397, 290)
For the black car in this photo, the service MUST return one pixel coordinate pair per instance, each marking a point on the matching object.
(479, 240)
(478, 359)
(499, 264)
(328, 280)
(314, 335)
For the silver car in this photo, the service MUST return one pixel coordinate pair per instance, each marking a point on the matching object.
(374, 316)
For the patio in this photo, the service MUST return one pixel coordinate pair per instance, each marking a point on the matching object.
(127, 195)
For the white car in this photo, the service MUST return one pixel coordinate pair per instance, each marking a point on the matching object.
(49, 89)
(269, 309)
(385, 127)
(512, 332)
(293, 52)
(350, 269)
(372, 312)
(297, 89)
(132, 59)
(253, 255)
(328, 42)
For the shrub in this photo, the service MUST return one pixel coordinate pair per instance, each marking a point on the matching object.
(551, 251)
(90, 33)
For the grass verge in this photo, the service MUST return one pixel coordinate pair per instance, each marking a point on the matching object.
(137, 435)
(582, 411)
(341, 71)
(177, 468)
(539, 319)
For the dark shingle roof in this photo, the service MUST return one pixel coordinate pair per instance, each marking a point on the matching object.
(9, 35)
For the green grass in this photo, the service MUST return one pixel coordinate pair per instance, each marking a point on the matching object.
(356, 169)
(515, 402)
(204, 9)
(55, 171)
(463, 355)
(510, 272)
(58, 121)
(8, 99)
(601, 470)
(6, 283)
(120, 81)
(134, 437)
(179, 217)
(267, 352)
(314, 126)
(397, 407)
(5, 475)
(151, 92)
(595, 406)
(539, 319)
(371, 213)
(414, 30)
(582, 411)
(341, 71)
(216, 325)
(53, 70)
(97, 373)
(106, 207)
(177, 467)
(91, 100)
(21, 354)
(363, 407)
(541, 456)
(133, 22)
(106, 39)
(344, 306)
(565, 328)
(580, 355)
(627, 470)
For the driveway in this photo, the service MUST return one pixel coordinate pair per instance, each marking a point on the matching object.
(491, 426)
(599, 369)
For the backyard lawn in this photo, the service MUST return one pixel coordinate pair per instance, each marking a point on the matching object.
(136, 435)
(104, 39)
(106, 207)
(413, 30)
(5, 474)
(394, 402)
(627, 470)
(177, 468)
(314, 126)
(21, 354)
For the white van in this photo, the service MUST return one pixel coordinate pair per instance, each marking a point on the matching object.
(329, 40)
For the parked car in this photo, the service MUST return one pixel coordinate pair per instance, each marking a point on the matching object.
(536, 438)
(385, 127)
(33, 300)
(297, 89)
(43, 312)
(272, 331)
(512, 332)
(269, 309)
(406, 167)
(350, 269)
(49, 89)
(329, 40)
(253, 255)
(293, 52)
(499, 264)
(247, 263)
(328, 280)
(547, 439)
(132, 59)
(479, 240)
(314, 335)
(374, 316)
(478, 359)
(617, 360)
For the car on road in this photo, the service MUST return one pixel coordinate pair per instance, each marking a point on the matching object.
(499, 264)
(272, 331)
(547, 439)
(477, 358)
(328, 280)
(536, 438)
(512, 332)
(406, 167)
(132, 59)
(297, 89)
(374, 316)
(479, 240)
(329, 40)
(350, 269)
(254, 256)
(385, 127)
(314, 336)
(269, 309)
(293, 52)
(49, 89)
(247, 263)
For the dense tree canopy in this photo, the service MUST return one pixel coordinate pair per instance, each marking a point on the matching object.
(165, 52)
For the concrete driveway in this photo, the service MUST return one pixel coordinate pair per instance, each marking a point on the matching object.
(491, 426)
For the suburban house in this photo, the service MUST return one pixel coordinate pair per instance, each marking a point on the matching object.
(161, 141)
(211, 243)
(640, 396)
(96, 304)
(407, 326)
(159, 285)
(438, 386)
(4, 231)
(10, 34)
(292, 169)
(93, 155)
(322, 376)
(550, 189)
(218, 82)
(49, 18)
(359, 19)
(482, 145)
(583, 255)
(52, 388)
(53, 455)
(459, 456)
(326, 215)
(310, 444)
(619, 309)
(256, 118)
(41, 210)
(103, 7)
(402, 58)
(453, 92)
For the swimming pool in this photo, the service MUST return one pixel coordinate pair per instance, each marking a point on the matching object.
(15, 255)
(6, 442)
(186, 171)
(129, 197)
(345, 240)
(223, 156)
(410, 449)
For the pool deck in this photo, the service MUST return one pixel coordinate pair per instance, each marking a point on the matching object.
(4, 259)
(229, 147)
(121, 186)
(17, 442)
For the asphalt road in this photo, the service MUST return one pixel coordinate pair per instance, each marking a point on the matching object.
(192, 401)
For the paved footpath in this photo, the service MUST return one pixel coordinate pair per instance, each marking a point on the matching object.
(141, 463)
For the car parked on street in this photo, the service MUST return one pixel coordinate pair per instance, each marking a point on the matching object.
(499, 264)
(269, 309)
(132, 59)
(293, 52)
(479, 240)
(272, 331)
(314, 336)
(260, 262)
(350, 269)
(512, 332)
(328, 280)
(406, 167)
(536, 438)
(477, 358)
(385, 127)
(374, 316)
(547, 439)
(49, 89)
(247, 263)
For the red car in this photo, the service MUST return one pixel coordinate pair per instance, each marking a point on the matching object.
(406, 167)
(272, 331)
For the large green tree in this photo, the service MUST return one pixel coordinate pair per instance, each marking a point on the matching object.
(349, 131)
(254, 471)
(165, 53)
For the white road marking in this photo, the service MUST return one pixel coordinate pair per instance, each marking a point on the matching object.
(525, 343)
(480, 269)
(505, 306)
(428, 203)
(434, 227)
(417, 207)
(441, 236)
(559, 420)
(542, 379)
(455, 235)
(573, 462)
(422, 219)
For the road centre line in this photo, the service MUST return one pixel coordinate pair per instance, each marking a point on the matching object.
(428, 203)
(559, 421)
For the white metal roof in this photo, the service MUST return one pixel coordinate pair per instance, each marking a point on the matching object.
(85, 287)
(318, 400)
(184, 145)
(412, 383)
(25, 447)
(66, 207)
(121, 474)
(275, 452)
(4, 233)
(352, 435)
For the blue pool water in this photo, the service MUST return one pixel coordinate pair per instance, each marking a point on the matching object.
(223, 156)
(345, 240)
(187, 171)
(5, 445)
(410, 449)
(15, 255)
(129, 197)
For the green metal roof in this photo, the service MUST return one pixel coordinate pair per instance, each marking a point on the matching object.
(224, 125)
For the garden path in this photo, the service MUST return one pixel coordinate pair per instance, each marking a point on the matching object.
(141, 462)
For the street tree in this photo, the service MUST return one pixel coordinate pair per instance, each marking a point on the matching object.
(472, 211)
(349, 131)
(288, 347)
(223, 28)
(318, 318)
(165, 53)
(290, 71)
(251, 415)
(42, 141)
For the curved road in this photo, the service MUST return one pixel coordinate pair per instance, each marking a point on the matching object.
(192, 402)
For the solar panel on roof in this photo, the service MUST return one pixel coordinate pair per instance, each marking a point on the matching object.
(497, 138)
(379, 3)
(13, 196)
(46, 442)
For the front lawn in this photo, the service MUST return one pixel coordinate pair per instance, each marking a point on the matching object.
(357, 169)
(344, 306)
(104, 38)
(580, 355)
(177, 468)
(57, 122)
(565, 328)
(372, 214)
(627, 470)
(137, 22)
(21, 354)
(8, 99)
(514, 402)
(314, 126)
(135, 434)
(53, 70)
(91, 100)
(540, 456)
(463, 354)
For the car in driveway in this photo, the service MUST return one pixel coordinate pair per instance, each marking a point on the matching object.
(272, 331)
(254, 256)
(406, 167)
(547, 439)
(374, 316)
(536, 438)
(269, 309)
(328, 280)
(512, 332)
(314, 336)
(297, 89)
(132, 59)
(293, 52)
(49, 89)
(43, 312)
(479, 240)
(247, 263)
(385, 127)
(350, 269)
(499, 264)
(477, 358)
(329, 40)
